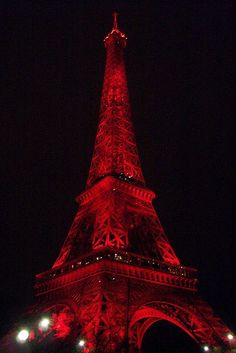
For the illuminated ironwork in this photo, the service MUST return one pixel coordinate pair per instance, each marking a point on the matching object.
(117, 265)
(116, 210)
(117, 274)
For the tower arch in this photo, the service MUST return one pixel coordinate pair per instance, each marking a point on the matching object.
(187, 317)
(164, 337)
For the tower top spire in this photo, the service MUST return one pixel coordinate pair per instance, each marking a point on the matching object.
(115, 24)
(115, 33)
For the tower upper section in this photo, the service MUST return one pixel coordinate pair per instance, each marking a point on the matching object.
(115, 151)
(116, 212)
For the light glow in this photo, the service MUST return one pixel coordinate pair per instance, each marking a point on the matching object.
(206, 348)
(44, 323)
(81, 343)
(230, 336)
(22, 336)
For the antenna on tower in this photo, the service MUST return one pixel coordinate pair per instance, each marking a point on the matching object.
(115, 15)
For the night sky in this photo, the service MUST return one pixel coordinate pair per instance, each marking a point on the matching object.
(179, 62)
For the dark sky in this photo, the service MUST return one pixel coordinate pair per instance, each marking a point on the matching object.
(180, 70)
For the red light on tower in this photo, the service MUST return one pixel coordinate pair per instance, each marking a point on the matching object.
(117, 273)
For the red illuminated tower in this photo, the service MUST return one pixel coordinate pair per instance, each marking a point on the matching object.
(117, 273)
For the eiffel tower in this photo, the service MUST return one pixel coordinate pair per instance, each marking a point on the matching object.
(117, 273)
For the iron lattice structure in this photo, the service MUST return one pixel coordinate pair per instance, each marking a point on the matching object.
(117, 273)
(116, 210)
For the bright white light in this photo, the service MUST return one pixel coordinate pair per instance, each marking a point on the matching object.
(22, 336)
(206, 348)
(230, 336)
(44, 323)
(81, 343)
